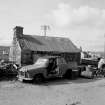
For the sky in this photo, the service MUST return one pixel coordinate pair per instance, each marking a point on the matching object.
(82, 21)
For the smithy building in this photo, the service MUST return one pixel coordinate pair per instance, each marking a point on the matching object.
(26, 49)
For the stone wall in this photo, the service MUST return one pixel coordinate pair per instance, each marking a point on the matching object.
(26, 57)
(30, 57)
(15, 52)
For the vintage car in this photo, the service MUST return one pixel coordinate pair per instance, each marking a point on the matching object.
(89, 71)
(47, 67)
(8, 70)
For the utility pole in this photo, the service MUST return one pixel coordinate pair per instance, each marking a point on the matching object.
(104, 46)
(45, 28)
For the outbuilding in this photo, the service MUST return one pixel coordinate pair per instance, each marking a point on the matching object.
(26, 49)
(4, 53)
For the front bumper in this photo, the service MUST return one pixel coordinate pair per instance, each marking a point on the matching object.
(21, 78)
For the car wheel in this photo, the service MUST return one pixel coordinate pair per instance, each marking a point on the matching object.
(92, 76)
(38, 78)
(68, 74)
(103, 71)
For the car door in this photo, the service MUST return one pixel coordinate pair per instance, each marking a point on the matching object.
(62, 66)
(53, 69)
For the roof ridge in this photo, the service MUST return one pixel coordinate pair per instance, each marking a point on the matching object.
(47, 43)
(48, 36)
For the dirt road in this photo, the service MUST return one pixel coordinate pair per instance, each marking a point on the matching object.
(57, 92)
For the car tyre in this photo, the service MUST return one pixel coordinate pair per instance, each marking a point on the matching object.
(38, 78)
(68, 74)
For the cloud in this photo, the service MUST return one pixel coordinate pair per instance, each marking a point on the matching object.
(62, 14)
(6, 39)
(84, 25)
(65, 15)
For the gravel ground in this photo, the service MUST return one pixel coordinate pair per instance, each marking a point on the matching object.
(54, 92)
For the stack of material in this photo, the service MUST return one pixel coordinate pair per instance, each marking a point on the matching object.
(88, 72)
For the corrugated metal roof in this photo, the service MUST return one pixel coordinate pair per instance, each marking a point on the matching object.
(45, 43)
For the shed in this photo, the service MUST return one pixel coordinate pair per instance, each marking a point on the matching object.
(4, 53)
(26, 49)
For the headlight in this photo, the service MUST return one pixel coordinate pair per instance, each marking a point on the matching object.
(26, 74)
(21, 73)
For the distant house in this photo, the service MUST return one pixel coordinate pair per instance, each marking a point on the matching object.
(85, 54)
(26, 49)
(4, 53)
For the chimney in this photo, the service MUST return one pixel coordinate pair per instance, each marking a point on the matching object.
(18, 31)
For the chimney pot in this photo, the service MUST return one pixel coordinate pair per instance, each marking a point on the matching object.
(18, 31)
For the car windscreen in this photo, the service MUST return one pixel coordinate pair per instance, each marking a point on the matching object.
(41, 61)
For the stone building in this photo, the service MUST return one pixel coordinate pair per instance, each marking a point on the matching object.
(4, 53)
(26, 49)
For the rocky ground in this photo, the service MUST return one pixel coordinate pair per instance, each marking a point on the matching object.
(54, 92)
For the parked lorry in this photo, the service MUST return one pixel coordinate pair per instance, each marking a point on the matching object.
(47, 67)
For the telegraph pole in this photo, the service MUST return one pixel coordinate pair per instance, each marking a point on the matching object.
(45, 28)
(104, 46)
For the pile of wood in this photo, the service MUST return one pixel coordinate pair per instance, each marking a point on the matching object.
(7, 70)
(88, 61)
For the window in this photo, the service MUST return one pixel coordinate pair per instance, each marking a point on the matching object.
(5, 52)
(61, 61)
